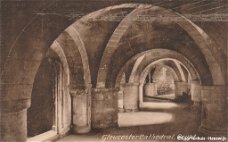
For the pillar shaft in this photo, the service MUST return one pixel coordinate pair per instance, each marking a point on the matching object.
(14, 120)
(120, 100)
(195, 91)
(141, 86)
(131, 97)
(214, 110)
(150, 89)
(104, 107)
(81, 110)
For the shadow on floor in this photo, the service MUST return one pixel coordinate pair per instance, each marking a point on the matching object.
(150, 123)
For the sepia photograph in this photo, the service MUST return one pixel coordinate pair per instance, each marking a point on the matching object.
(113, 70)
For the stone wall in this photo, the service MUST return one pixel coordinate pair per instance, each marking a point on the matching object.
(40, 118)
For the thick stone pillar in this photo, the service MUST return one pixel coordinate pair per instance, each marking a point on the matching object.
(180, 88)
(81, 100)
(141, 86)
(150, 89)
(104, 107)
(195, 90)
(120, 100)
(14, 120)
(213, 110)
(131, 97)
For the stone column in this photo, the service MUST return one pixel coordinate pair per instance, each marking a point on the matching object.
(141, 86)
(131, 97)
(180, 88)
(120, 99)
(104, 107)
(195, 90)
(214, 110)
(150, 89)
(81, 100)
(14, 120)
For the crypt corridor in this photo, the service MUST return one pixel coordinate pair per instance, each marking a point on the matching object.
(79, 71)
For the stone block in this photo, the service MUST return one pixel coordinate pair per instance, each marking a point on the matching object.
(214, 110)
(195, 91)
(131, 96)
(150, 89)
(104, 111)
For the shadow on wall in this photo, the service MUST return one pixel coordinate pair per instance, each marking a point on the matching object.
(41, 113)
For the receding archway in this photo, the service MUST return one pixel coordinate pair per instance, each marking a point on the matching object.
(197, 34)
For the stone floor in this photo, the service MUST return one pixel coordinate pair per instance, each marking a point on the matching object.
(147, 123)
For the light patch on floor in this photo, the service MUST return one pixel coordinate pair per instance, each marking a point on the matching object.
(158, 105)
(143, 118)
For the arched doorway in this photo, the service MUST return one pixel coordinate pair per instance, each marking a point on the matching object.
(41, 115)
(50, 111)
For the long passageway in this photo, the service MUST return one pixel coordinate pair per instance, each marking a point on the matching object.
(178, 119)
(113, 70)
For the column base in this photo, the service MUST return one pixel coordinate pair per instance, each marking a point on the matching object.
(131, 110)
(211, 132)
(196, 107)
(120, 110)
(81, 130)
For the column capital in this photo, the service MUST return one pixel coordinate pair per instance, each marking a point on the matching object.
(15, 105)
(196, 81)
(151, 83)
(131, 84)
(179, 81)
(105, 89)
(215, 88)
(76, 90)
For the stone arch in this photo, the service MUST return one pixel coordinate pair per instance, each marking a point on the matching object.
(55, 47)
(73, 33)
(172, 65)
(203, 41)
(173, 72)
(25, 57)
(140, 60)
(156, 54)
(145, 70)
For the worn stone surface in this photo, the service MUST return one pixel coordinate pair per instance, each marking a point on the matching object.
(181, 88)
(131, 97)
(150, 89)
(195, 91)
(213, 110)
(81, 110)
(14, 126)
(104, 107)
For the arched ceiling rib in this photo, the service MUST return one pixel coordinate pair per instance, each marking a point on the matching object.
(205, 44)
(160, 65)
(180, 44)
(164, 55)
(153, 56)
(142, 75)
(144, 61)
